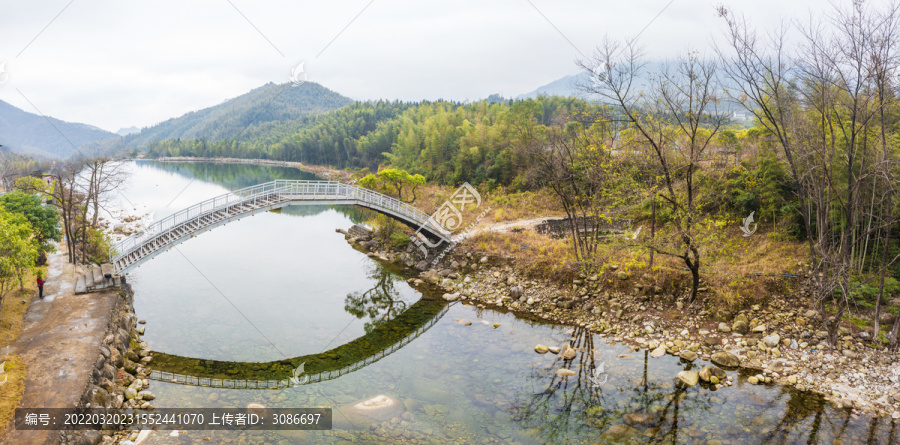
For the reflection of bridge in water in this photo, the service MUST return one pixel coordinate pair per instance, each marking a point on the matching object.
(381, 341)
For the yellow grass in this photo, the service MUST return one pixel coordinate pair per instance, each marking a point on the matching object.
(12, 314)
(504, 206)
(11, 392)
(724, 273)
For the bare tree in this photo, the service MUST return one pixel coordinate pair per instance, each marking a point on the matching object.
(82, 188)
(577, 163)
(826, 108)
(68, 197)
(675, 116)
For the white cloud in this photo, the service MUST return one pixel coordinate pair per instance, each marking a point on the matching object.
(118, 64)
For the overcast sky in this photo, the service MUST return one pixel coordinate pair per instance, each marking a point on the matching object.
(118, 64)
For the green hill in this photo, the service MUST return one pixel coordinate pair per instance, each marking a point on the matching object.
(32, 134)
(264, 113)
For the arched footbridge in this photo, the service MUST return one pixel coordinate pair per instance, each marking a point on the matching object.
(381, 341)
(185, 224)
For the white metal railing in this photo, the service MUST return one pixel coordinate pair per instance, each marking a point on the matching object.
(277, 191)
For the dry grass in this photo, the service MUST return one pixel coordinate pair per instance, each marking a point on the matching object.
(728, 262)
(11, 392)
(12, 315)
(537, 256)
(724, 273)
(524, 205)
(504, 206)
(12, 312)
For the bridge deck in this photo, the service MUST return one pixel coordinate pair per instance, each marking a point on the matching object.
(217, 211)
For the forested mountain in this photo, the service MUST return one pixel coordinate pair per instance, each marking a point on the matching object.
(265, 113)
(445, 141)
(32, 134)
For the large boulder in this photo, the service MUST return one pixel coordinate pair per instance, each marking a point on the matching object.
(431, 276)
(740, 326)
(721, 316)
(772, 340)
(708, 372)
(658, 352)
(726, 359)
(689, 378)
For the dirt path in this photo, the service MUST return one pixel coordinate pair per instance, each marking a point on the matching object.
(528, 223)
(59, 343)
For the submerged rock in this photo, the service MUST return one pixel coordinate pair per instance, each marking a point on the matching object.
(565, 372)
(541, 349)
(637, 418)
(380, 407)
(618, 433)
(567, 353)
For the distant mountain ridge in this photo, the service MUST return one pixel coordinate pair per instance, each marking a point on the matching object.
(563, 87)
(127, 131)
(265, 111)
(570, 86)
(33, 135)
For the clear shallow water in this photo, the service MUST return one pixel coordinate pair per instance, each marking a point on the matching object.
(277, 286)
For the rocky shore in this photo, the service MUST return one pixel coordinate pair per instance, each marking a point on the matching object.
(119, 377)
(782, 342)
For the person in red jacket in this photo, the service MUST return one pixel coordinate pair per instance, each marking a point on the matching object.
(40, 283)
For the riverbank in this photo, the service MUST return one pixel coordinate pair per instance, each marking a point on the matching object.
(328, 173)
(76, 349)
(777, 342)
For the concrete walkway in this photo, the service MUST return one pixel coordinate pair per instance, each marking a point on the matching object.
(59, 343)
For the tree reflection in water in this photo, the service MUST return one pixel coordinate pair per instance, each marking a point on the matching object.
(572, 409)
(636, 406)
(380, 303)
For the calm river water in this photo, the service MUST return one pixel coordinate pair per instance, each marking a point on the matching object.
(276, 286)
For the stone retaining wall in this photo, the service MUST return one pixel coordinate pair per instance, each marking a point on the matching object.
(118, 379)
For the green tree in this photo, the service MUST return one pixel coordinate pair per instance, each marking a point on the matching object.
(44, 220)
(393, 180)
(17, 250)
(30, 184)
